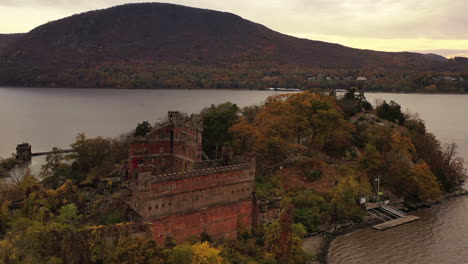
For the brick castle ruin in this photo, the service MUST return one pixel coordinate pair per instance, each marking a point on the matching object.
(182, 195)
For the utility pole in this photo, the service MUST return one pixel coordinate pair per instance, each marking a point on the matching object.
(378, 187)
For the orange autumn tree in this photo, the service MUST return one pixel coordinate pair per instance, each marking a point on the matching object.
(288, 124)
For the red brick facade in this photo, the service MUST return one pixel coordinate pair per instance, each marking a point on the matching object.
(176, 146)
(183, 196)
(189, 191)
(220, 221)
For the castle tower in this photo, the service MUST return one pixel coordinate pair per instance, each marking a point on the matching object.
(175, 146)
(23, 151)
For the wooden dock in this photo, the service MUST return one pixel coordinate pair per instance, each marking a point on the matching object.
(395, 222)
(388, 216)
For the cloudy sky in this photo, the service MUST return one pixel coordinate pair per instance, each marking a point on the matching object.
(438, 26)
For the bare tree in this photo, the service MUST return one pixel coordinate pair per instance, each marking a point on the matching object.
(453, 163)
(17, 174)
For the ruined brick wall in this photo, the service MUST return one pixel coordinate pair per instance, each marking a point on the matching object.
(268, 211)
(220, 221)
(185, 204)
(176, 146)
(161, 195)
(182, 195)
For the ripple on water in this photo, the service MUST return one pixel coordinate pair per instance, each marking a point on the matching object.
(440, 236)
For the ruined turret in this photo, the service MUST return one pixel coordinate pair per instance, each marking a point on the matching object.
(23, 151)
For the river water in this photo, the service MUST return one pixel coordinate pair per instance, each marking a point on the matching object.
(52, 117)
(441, 234)
(48, 118)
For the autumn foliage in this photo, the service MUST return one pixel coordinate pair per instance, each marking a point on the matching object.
(290, 124)
(319, 153)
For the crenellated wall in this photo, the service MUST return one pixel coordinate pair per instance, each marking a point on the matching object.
(147, 179)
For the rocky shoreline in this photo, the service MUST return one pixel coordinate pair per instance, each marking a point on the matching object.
(408, 207)
(318, 243)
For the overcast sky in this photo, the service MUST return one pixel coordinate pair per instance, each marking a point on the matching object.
(389, 25)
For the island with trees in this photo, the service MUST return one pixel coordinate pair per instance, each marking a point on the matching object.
(317, 154)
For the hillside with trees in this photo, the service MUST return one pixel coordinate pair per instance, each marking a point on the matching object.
(7, 39)
(155, 45)
(318, 152)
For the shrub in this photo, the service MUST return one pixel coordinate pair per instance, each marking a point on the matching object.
(313, 175)
(391, 112)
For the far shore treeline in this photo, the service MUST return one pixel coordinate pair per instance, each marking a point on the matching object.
(320, 153)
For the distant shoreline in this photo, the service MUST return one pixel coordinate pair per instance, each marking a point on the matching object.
(216, 89)
(133, 89)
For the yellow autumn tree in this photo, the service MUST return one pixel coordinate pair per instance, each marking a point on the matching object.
(428, 187)
(204, 253)
(402, 144)
(8, 252)
(352, 184)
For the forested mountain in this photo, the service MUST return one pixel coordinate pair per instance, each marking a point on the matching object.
(6, 39)
(157, 45)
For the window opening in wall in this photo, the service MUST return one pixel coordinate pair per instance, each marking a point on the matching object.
(172, 141)
(163, 205)
(156, 206)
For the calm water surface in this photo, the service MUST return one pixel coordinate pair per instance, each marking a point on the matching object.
(441, 234)
(47, 118)
(53, 117)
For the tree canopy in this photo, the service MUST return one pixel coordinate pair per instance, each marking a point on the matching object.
(216, 123)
